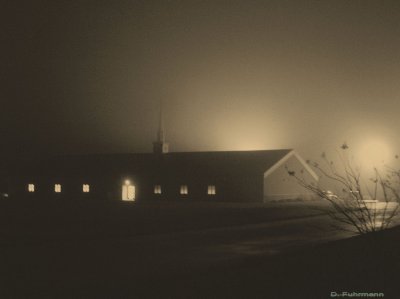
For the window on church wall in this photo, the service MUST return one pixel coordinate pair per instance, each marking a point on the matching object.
(157, 189)
(128, 191)
(31, 188)
(57, 188)
(184, 190)
(85, 188)
(211, 190)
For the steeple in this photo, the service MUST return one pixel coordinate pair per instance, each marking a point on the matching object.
(160, 146)
(160, 132)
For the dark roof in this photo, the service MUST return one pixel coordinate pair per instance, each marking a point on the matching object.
(231, 161)
(176, 162)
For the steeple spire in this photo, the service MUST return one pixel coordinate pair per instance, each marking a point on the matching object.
(160, 146)
(160, 133)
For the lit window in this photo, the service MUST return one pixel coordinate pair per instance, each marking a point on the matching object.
(85, 188)
(211, 190)
(57, 188)
(128, 191)
(157, 189)
(184, 189)
(31, 188)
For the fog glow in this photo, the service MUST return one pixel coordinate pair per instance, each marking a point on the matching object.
(375, 152)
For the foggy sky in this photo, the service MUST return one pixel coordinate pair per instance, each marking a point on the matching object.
(88, 76)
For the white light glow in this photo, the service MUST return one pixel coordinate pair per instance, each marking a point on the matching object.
(375, 152)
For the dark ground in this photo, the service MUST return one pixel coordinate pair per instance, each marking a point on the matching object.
(52, 249)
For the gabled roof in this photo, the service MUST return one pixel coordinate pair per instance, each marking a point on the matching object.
(286, 158)
(233, 162)
(175, 163)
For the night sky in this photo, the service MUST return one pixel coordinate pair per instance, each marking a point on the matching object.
(89, 76)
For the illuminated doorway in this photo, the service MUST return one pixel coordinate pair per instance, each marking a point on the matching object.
(128, 191)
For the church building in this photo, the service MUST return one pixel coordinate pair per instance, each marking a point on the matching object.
(241, 176)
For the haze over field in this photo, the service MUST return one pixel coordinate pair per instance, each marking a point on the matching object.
(233, 75)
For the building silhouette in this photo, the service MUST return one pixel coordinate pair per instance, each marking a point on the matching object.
(244, 176)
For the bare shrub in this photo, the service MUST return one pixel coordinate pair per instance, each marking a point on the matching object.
(358, 205)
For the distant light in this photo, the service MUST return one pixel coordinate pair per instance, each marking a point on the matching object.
(374, 152)
(5, 194)
(329, 194)
(127, 182)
